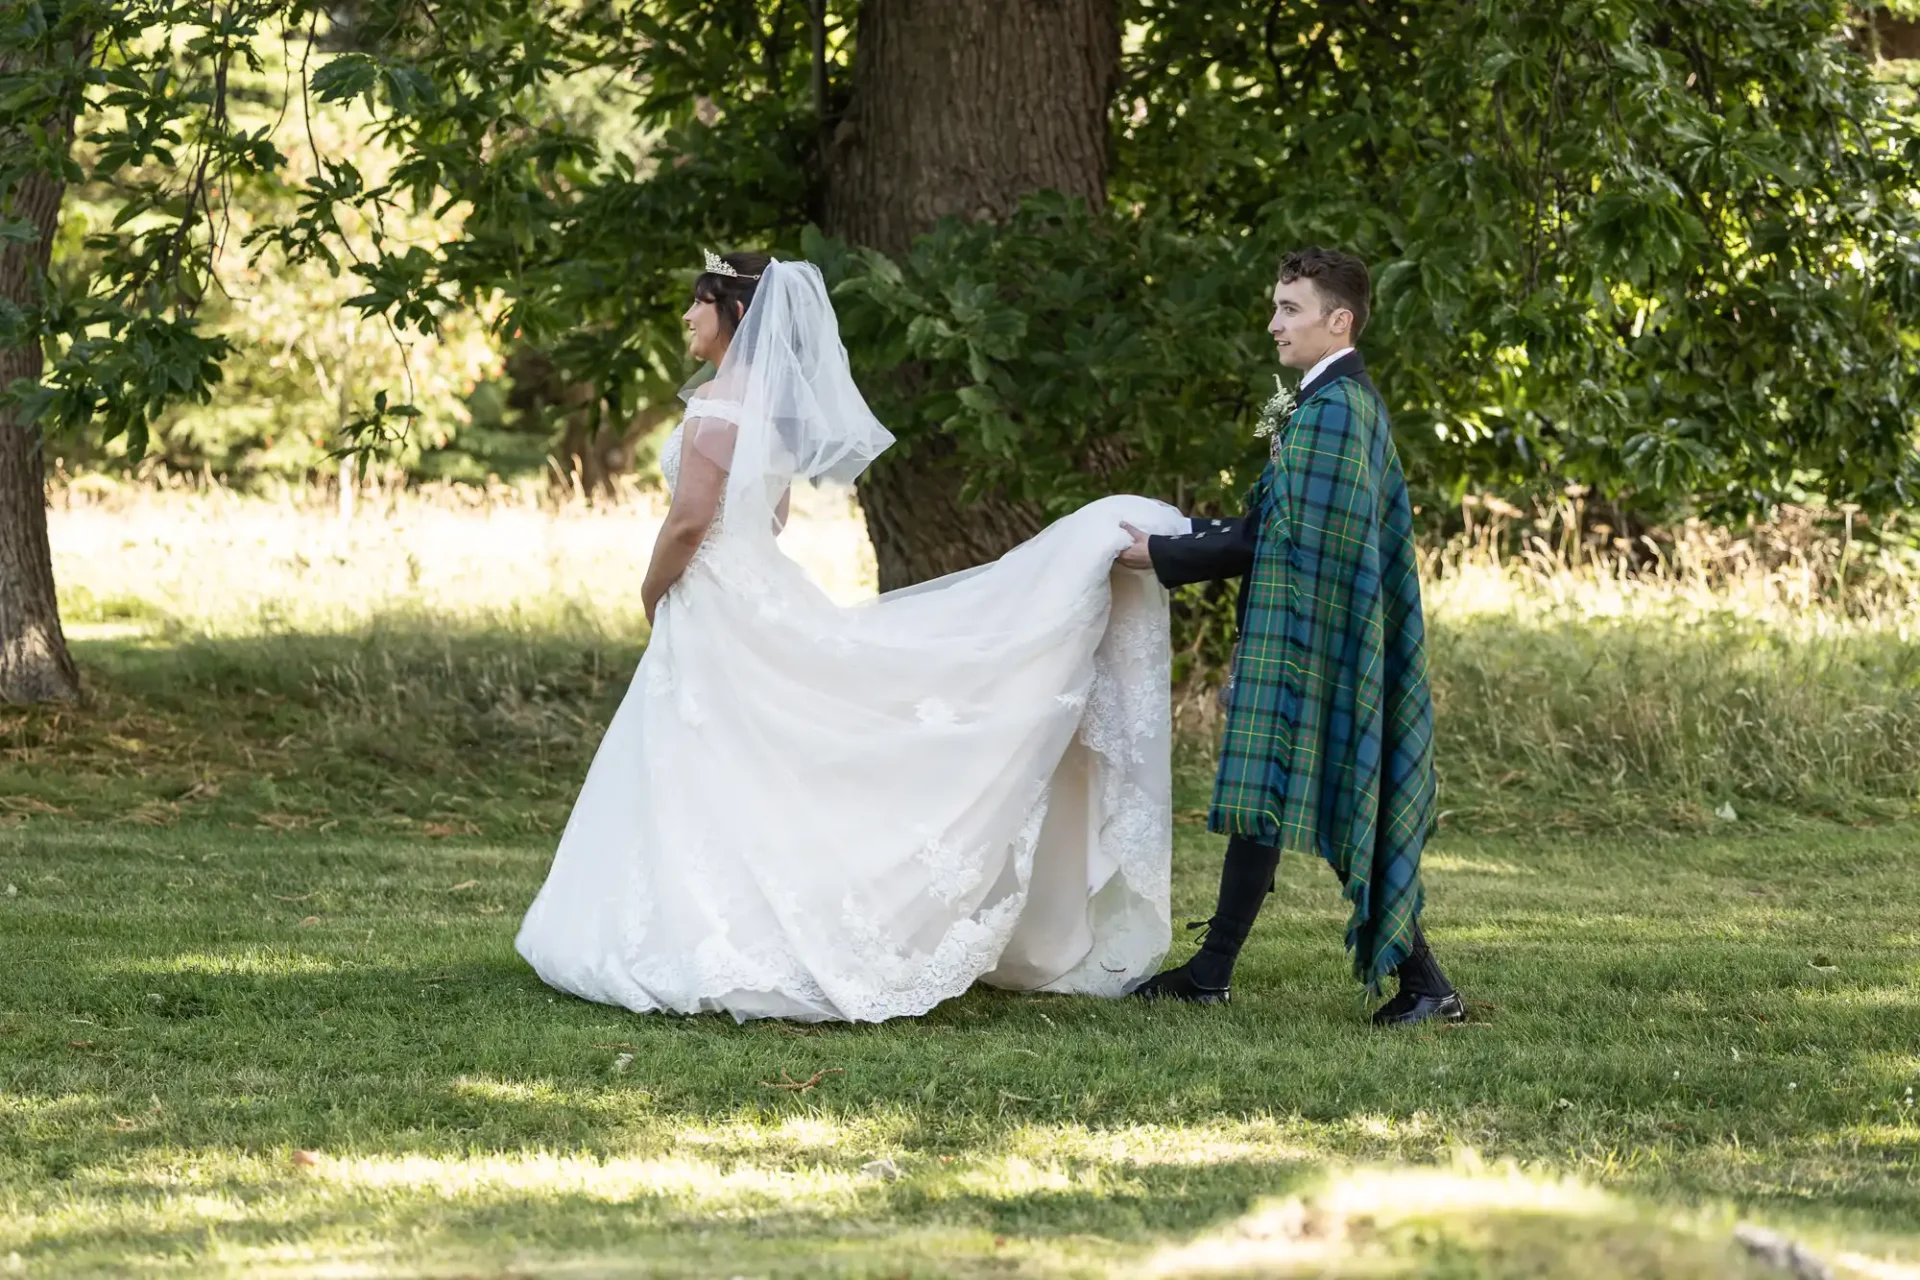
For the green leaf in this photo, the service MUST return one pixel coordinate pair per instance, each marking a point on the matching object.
(348, 76)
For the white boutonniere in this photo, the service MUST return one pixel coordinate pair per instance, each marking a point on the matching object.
(1274, 414)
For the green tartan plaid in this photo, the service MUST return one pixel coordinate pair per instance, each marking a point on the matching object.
(1329, 739)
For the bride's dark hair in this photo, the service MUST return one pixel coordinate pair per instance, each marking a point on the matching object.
(732, 295)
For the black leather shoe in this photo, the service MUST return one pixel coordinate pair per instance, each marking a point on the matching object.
(1178, 984)
(1407, 1008)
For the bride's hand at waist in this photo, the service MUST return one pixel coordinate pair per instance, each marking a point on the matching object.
(696, 500)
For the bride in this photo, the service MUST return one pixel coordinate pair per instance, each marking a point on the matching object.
(809, 811)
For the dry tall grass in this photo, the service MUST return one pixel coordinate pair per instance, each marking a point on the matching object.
(1726, 674)
(1594, 685)
(207, 561)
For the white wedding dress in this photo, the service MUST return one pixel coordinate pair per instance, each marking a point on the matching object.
(809, 811)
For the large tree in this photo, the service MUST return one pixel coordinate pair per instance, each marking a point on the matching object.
(34, 664)
(962, 110)
(107, 348)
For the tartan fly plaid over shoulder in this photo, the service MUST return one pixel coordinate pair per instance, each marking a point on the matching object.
(1329, 738)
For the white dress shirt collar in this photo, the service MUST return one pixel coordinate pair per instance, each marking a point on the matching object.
(1325, 364)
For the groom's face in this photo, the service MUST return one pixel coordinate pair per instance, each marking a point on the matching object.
(1307, 326)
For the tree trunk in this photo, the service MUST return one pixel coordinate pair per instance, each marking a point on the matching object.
(1893, 38)
(34, 663)
(962, 107)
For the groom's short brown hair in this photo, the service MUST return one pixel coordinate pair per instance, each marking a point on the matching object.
(1341, 279)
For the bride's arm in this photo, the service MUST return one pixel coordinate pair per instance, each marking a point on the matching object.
(695, 500)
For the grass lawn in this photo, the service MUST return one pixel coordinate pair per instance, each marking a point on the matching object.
(1668, 1035)
(260, 1010)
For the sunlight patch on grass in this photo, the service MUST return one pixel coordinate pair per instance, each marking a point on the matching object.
(1414, 1192)
(1018, 1178)
(1474, 866)
(61, 1109)
(1384, 1128)
(1822, 992)
(1893, 1138)
(1040, 1155)
(108, 630)
(690, 1183)
(241, 962)
(1903, 1067)
(1399, 1222)
(1879, 1268)
(796, 1137)
(1157, 1145)
(538, 1091)
(810, 1132)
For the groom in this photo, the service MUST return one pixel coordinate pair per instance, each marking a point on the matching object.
(1329, 739)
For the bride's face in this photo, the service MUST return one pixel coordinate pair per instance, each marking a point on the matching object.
(706, 340)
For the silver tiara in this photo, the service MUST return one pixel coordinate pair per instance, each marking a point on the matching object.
(719, 266)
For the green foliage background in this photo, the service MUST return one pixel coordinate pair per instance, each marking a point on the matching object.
(1665, 252)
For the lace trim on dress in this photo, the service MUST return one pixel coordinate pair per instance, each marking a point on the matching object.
(712, 407)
